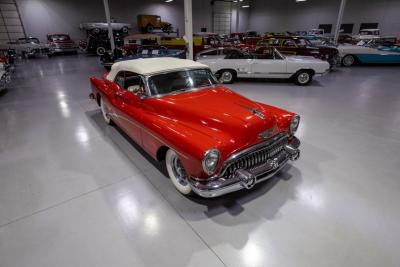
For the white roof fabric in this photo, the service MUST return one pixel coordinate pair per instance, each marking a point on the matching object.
(153, 65)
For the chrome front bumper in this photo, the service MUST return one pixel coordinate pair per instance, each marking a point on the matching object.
(245, 179)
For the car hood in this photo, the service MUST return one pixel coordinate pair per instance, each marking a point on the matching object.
(232, 120)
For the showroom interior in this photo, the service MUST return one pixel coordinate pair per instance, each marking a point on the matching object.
(246, 133)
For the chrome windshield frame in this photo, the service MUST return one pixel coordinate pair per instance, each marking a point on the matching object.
(148, 76)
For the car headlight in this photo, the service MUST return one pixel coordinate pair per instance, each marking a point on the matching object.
(294, 124)
(210, 160)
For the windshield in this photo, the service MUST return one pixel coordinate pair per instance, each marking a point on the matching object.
(180, 81)
(302, 42)
(60, 37)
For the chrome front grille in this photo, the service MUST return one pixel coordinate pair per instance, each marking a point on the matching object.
(256, 157)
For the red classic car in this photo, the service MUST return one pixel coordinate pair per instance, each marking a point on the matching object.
(213, 141)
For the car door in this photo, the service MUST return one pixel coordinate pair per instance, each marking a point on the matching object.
(239, 61)
(268, 65)
(128, 106)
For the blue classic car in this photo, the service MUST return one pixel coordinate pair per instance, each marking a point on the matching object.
(144, 52)
(369, 54)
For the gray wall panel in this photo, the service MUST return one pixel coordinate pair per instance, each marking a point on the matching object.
(281, 15)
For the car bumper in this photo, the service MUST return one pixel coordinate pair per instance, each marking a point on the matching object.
(323, 73)
(63, 50)
(245, 179)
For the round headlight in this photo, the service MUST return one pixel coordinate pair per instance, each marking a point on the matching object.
(210, 160)
(294, 124)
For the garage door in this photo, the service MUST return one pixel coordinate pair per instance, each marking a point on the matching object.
(11, 27)
(222, 17)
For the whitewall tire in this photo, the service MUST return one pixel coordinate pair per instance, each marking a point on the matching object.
(106, 116)
(348, 60)
(100, 51)
(227, 76)
(177, 173)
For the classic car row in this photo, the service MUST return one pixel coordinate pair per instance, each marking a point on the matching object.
(211, 140)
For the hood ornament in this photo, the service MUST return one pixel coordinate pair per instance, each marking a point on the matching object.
(253, 111)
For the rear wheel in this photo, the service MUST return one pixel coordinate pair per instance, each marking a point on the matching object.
(100, 51)
(303, 77)
(106, 116)
(177, 173)
(348, 60)
(227, 76)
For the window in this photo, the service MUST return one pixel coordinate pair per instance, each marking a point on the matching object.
(180, 81)
(274, 42)
(347, 28)
(120, 78)
(130, 81)
(227, 51)
(236, 54)
(288, 43)
(326, 27)
(302, 42)
(368, 26)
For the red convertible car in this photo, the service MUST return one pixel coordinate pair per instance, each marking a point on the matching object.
(213, 141)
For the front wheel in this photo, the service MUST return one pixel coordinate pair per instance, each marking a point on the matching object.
(227, 76)
(106, 116)
(348, 60)
(177, 173)
(303, 77)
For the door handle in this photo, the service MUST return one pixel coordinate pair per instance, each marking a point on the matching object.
(118, 95)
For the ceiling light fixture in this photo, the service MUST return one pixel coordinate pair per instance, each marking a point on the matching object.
(297, 1)
(246, 6)
(168, 1)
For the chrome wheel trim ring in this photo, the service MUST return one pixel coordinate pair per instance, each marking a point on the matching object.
(303, 77)
(180, 174)
(227, 76)
(100, 51)
(348, 60)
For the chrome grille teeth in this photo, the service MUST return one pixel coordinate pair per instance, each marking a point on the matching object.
(256, 158)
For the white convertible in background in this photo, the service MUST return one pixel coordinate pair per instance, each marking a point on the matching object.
(27, 47)
(235, 63)
(96, 27)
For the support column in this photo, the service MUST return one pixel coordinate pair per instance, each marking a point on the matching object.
(189, 28)
(237, 15)
(339, 20)
(110, 32)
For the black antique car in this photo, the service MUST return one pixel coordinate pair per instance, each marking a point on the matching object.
(290, 45)
(99, 43)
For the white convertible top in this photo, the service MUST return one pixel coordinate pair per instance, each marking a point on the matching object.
(146, 66)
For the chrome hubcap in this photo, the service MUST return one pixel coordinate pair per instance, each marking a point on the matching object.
(304, 77)
(227, 76)
(348, 61)
(179, 172)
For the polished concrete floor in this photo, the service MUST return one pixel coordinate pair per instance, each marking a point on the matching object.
(75, 192)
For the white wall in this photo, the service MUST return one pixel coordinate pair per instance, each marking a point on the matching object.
(41, 17)
(55, 16)
(282, 15)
